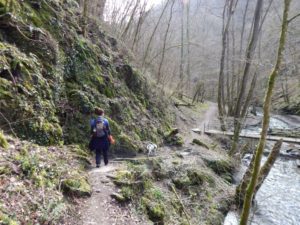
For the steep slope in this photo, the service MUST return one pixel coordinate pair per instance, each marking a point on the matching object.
(51, 78)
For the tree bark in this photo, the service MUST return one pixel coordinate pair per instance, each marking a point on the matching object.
(165, 43)
(182, 62)
(238, 117)
(188, 69)
(249, 56)
(263, 173)
(221, 108)
(84, 17)
(153, 33)
(266, 119)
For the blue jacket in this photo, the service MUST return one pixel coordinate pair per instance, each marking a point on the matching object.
(106, 124)
(102, 142)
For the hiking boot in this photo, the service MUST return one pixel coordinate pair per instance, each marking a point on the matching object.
(98, 166)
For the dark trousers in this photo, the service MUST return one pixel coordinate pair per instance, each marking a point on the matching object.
(98, 155)
(101, 146)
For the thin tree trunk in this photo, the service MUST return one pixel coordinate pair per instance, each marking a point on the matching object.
(188, 70)
(126, 11)
(182, 62)
(233, 72)
(249, 55)
(165, 43)
(84, 15)
(266, 119)
(124, 34)
(242, 43)
(238, 119)
(141, 20)
(266, 168)
(263, 173)
(221, 109)
(153, 33)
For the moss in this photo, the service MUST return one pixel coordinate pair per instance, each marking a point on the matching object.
(5, 170)
(6, 220)
(158, 169)
(76, 186)
(29, 164)
(200, 143)
(125, 146)
(155, 211)
(119, 197)
(81, 99)
(182, 183)
(198, 177)
(3, 141)
(224, 168)
(127, 193)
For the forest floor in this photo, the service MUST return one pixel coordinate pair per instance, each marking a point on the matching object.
(102, 209)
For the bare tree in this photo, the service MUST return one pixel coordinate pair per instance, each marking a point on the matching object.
(238, 116)
(153, 32)
(165, 42)
(266, 119)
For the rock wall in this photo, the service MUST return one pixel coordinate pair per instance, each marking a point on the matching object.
(51, 78)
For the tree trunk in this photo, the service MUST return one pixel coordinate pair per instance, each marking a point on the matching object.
(141, 20)
(249, 56)
(266, 119)
(153, 32)
(182, 62)
(124, 34)
(188, 69)
(263, 173)
(165, 43)
(221, 108)
(238, 117)
(266, 168)
(84, 17)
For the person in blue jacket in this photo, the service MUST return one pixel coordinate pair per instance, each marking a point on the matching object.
(100, 132)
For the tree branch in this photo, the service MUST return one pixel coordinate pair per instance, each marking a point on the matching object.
(294, 17)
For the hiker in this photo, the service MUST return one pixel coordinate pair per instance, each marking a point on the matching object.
(100, 134)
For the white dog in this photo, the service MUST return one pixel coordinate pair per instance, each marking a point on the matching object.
(151, 149)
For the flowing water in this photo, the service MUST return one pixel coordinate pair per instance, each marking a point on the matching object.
(278, 200)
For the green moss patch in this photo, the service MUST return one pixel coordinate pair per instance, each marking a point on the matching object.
(3, 142)
(77, 186)
(224, 168)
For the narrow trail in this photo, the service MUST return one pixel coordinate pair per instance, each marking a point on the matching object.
(101, 208)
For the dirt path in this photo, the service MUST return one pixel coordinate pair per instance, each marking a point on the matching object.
(101, 209)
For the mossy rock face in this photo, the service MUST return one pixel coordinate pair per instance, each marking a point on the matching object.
(182, 183)
(76, 186)
(198, 177)
(125, 146)
(155, 211)
(215, 217)
(225, 168)
(158, 169)
(51, 79)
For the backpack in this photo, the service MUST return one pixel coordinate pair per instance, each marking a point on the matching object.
(99, 127)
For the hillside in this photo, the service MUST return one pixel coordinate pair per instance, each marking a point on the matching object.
(51, 79)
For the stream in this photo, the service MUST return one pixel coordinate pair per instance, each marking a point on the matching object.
(278, 200)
